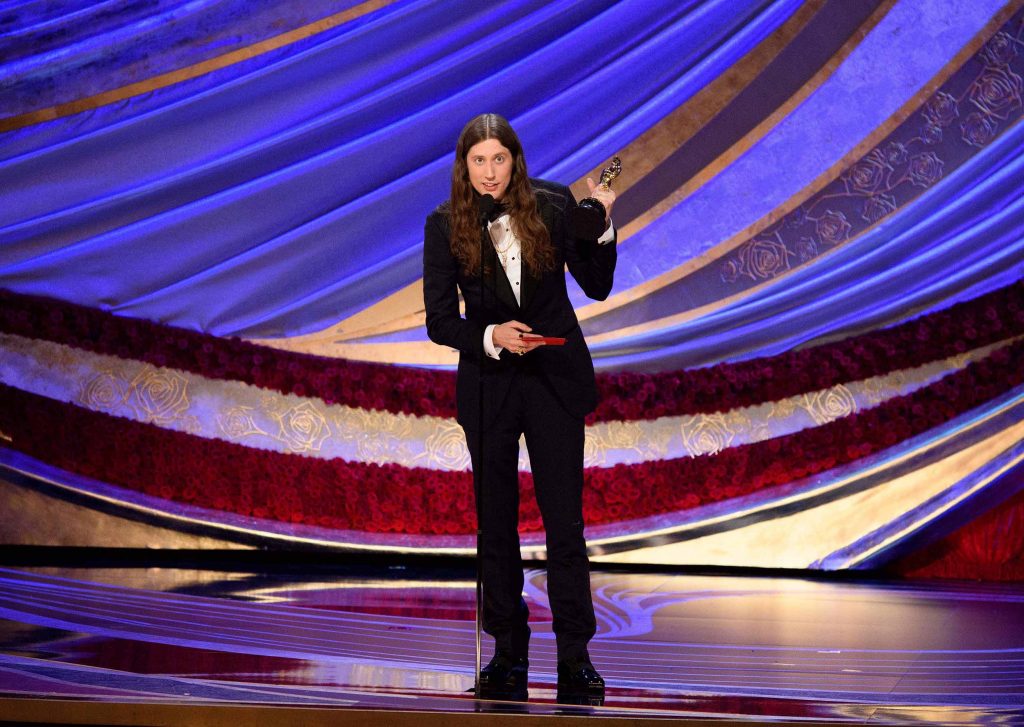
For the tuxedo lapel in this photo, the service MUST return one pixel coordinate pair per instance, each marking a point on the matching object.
(530, 282)
(496, 280)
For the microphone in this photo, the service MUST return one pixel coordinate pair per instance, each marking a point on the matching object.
(484, 207)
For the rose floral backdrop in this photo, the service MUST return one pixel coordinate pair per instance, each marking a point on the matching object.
(211, 317)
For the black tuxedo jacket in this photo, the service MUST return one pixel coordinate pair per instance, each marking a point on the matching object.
(545, 308)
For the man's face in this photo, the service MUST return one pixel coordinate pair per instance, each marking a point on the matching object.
(490, 168)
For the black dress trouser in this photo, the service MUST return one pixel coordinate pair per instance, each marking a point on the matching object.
(554, 439)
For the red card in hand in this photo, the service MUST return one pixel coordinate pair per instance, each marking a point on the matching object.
(546, 340)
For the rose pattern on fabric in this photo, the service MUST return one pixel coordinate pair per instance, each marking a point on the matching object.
(895, 153)
(877, 207)
(941, 110)
(447, 447)
(984, 97)
(931, 135)
(1000, 50)
(334, 493)
(620, 436)
(303, 427)
(829, 405)
(730, 271)
(763, 258)
(925, 169)
(997, 92)
(378, 436)
(105, 391)
(868, 175)
(624, 395)
(238, 422)
(706, 434)
(159, 395)
(978, 129)
(833, 227)
(806, 249)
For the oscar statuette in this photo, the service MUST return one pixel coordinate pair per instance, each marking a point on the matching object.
(587, 220)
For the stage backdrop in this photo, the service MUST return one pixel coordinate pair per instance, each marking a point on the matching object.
(211, 319)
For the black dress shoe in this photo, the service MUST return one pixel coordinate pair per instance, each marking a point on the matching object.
(504, 673)
(578, 675)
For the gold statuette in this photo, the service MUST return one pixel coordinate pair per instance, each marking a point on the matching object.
(587, 220)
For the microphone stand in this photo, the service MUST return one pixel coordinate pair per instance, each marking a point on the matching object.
(484, 205)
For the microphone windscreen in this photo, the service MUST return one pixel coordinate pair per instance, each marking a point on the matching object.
(484, 205)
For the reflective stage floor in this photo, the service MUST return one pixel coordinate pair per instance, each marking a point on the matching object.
(395, 645)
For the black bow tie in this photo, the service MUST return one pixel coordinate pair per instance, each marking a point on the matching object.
(497, 211)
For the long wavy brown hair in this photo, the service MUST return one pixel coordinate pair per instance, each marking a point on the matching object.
(518, 200)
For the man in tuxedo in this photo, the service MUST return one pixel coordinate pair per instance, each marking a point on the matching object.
(516, 377)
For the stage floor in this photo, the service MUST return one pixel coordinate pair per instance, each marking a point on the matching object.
(84, 645)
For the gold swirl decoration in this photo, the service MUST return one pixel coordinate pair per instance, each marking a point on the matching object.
(303, 427)
(645, 442)
(237, 422)
(446, 446)
(763, 258)
(707, 433)
(160, 396)
(830, 404)
(104, 391)
(379, 436)
(875, 391)
(254, 417)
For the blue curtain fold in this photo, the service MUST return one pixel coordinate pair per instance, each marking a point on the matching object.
(960, 239)
(289, 192)
(56, 52)
(294, 195)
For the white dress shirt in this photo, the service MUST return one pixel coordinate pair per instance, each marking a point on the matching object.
(509, 253)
